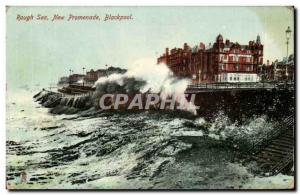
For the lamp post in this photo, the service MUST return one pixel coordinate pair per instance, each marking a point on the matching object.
(106, 70)
(70, 76)
(72, 71)
(288, 34)
(83, 76)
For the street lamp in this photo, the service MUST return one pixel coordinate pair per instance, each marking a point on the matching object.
(106, 70)
(288, 34)
(83, 76)
(70, 76)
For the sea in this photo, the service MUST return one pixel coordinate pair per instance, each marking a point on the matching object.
(130, 150)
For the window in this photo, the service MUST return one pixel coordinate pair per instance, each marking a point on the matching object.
(248, 59)
(221, 66)
(236, 58)
(249, 68)
(230, 78)
(237, 67)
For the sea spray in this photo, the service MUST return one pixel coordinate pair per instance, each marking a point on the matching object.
(146, 76)
(254, 131)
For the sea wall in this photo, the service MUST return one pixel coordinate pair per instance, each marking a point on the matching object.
(242, 104)
(236, 104)
(59, 103)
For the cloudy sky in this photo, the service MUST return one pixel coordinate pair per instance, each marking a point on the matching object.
(38, 52)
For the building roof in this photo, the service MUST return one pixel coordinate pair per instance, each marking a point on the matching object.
(219, 37)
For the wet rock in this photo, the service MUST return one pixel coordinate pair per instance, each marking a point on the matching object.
(49, 128)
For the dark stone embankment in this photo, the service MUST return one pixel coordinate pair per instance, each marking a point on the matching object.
(61, 104)
(240, 105)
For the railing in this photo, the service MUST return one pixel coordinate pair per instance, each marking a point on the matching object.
(248, 85)
(283, 164)
(264, 141)
(76, 95)
(71, 95)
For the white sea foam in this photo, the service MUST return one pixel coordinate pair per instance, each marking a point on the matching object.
(158, 79)
(273, 182)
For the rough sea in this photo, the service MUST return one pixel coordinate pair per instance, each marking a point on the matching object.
(119, 150)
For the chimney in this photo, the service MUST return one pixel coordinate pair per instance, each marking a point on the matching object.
(185, 46)
(202, 45)
(227, 42)
(167, 51)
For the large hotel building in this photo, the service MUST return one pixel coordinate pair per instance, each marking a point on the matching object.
(224, 61)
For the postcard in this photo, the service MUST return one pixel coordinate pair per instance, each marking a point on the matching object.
(150, 98)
